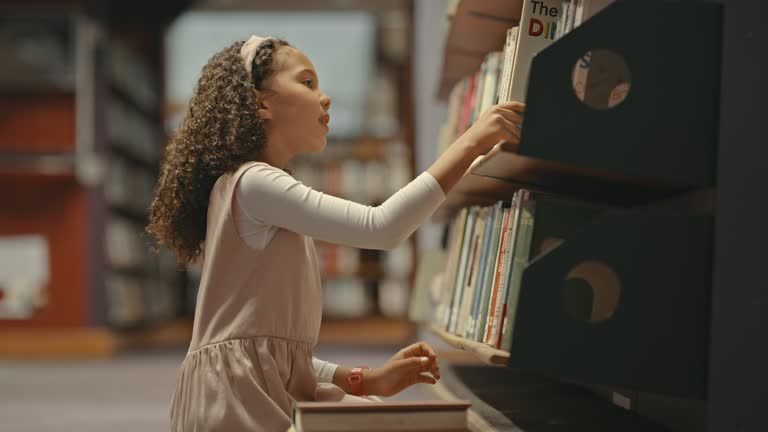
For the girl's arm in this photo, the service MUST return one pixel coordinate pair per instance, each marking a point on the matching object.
(267, 196)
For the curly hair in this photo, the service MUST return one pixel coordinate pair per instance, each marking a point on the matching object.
(220, 131)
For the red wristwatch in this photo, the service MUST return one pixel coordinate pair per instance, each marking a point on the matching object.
(355, 380)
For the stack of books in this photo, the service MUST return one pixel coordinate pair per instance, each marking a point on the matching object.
(436, 415)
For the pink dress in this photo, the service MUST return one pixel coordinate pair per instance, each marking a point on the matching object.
(257, 319)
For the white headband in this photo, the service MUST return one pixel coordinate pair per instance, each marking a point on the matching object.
(248, 50)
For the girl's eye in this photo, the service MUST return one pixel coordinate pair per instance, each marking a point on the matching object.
(308, 83)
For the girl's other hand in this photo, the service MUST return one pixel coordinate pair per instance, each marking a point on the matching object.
(404, 369)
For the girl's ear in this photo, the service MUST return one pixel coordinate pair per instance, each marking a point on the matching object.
(265, 113)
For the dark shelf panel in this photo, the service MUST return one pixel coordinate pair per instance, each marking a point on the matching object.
(539, 175)
(511, 400)
(625, 299)
(665, 131)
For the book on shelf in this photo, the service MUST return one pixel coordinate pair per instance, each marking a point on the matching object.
(461, 269)
(480, 308)
(433, 415)
(473, 264)
(538, 25)
(500, 269)
(519, 261)
(504, 288)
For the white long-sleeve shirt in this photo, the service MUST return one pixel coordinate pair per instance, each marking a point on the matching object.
(268, 198)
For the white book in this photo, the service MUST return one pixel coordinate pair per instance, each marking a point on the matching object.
(538, 25)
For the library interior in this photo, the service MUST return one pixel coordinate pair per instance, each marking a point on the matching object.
(514, 215)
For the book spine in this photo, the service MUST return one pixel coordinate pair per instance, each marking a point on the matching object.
(451, 270)
(506, 269)
(522, 255)
(473, 264)
(490, 271)
(485, 252)
(504, 242)
(461, 269)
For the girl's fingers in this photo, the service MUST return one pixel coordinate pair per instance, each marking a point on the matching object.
(512, 116)
(512, 105)
(424, 379)
(511, 131)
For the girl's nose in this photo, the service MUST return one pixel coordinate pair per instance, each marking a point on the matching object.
(325, 102)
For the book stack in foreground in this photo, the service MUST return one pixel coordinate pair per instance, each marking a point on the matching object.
(430, 415)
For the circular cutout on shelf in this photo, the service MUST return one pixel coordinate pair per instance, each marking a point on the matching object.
(601, 79)
(591, 291)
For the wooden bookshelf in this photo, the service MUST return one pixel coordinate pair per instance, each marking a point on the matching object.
(473, 189)
(608, 157)
(487, 354)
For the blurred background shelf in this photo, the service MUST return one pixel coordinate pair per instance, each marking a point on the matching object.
(366, 331)
(90, 342)
(37, 164)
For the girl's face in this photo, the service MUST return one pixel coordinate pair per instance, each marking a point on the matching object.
(294, 106)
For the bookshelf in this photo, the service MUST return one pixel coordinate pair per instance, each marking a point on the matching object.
(81, 147)
(487, 354)
(657, 355)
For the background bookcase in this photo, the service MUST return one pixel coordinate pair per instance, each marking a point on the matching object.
(671, 352)
(82, 135)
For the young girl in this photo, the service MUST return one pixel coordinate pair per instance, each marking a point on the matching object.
(225, 202)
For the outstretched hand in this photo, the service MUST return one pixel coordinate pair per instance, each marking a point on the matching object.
(411, 365)
(501, 122)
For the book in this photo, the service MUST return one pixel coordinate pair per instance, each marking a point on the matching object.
(481, 312)
(485, 250)
(499, 269)
(466, 249)
(452, 263)
(475, 266)
(509, 251)
(519, 261)
(438, 415)
(538, 25)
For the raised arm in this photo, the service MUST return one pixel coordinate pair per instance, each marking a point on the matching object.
(269, 196)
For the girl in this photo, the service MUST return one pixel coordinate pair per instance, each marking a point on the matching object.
(225, 201)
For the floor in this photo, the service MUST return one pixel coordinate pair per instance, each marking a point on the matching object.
(130, 392)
